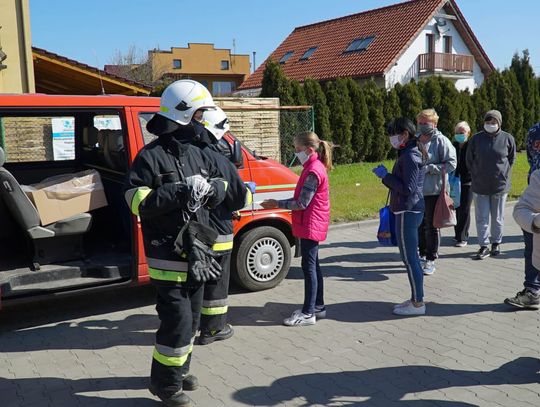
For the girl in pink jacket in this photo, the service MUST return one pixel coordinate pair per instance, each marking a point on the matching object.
(310, 207)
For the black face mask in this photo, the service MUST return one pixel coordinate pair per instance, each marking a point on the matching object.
(193, 133)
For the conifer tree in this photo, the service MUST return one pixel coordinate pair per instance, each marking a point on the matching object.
(410, 101)
(297, 93)
(468, 111)
(392, 110)
(518, 131)
(449, 109)
(380, 145)
(315, 97)
(362, 130)
(505, 104)
(276, 84)
(526, 78)
(340, 106)
(431, 92)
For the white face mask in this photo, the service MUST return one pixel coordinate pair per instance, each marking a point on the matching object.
(491, 128)
(302, 156)
(394, 140)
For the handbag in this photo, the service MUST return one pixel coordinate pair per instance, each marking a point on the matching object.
(444, 215)
(455, 188)
(386, 234)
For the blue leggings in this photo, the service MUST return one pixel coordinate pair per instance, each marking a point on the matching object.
(407, 224)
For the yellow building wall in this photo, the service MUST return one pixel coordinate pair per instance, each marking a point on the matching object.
(16, 43)
(201, 61)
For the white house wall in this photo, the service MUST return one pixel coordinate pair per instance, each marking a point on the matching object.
(406, 67)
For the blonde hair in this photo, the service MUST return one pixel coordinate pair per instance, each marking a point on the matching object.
(429, 114)
(463, 125)
(324, 148)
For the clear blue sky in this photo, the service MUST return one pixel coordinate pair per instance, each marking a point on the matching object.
(91, 31)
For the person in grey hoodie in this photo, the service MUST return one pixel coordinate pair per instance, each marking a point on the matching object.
(441, 155)
(490, 157)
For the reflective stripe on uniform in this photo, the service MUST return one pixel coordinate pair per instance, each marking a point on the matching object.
(223, 242)
(172, 356)
(214, 310)
(249, 198)
(135, 196)
(164, 275)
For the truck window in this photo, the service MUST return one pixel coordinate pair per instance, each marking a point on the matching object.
(103, 143)
(38, 138)
(143, 119)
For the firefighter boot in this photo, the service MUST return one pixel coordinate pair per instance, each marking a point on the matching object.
(178, 399)
(207, 338)
(190, 382)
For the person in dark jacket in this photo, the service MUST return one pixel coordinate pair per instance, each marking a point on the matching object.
(529, 297)
(170, 186)
(463, 212)
(214, 326)
(406, 183)
(490, 156)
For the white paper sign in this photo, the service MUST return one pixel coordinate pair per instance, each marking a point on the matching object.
(63, 133)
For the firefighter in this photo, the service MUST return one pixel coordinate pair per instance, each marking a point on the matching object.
(170, 186)
(214, 326)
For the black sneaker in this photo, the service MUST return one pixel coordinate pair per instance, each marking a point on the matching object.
(495, 249)
(206, 338)
(178, 399)
(190, 383)
(525, 299)
(483, 252)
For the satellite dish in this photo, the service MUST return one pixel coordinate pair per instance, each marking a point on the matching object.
(441, 22)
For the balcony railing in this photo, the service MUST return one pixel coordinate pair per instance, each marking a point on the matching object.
(439, 62)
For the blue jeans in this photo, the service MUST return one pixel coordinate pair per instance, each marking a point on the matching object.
(532, 274)
(407, 224)
(313, 279)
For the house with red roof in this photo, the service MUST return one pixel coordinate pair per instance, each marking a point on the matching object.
(393, 44)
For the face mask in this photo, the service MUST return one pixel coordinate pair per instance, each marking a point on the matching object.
(460, 138)
(302, 156)
(426, 129)
(394, 140)
(491, 128)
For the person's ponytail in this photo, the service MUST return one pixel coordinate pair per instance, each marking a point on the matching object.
(325, 153)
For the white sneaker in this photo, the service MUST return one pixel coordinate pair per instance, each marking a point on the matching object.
(320, 314)
(299, 319)
(429, 268)
(403, 304)
(410, 310)
(461, 243)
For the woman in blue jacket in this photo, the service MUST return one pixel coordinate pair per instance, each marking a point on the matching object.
(406, 184)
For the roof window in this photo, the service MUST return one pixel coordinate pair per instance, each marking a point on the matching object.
(285, 57)
(308, 53)
(360, 44)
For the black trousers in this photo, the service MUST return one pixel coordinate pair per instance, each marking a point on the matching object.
(463, 214)
(429, 237)
(215, 302)
(178, 308)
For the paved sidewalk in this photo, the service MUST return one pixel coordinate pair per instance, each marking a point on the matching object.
(469, 350)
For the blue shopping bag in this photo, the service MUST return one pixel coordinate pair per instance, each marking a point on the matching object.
(455, 188)
(387, 226)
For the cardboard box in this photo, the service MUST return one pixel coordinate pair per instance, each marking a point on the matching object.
(66, 195)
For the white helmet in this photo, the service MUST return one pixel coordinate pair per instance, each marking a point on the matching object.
(216, 122)
(181, 99)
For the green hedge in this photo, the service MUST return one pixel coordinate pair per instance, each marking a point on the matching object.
(353, 116)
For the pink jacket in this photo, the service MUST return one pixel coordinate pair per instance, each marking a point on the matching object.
(312, 223)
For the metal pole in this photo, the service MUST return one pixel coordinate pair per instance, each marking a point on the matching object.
(254, 65)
